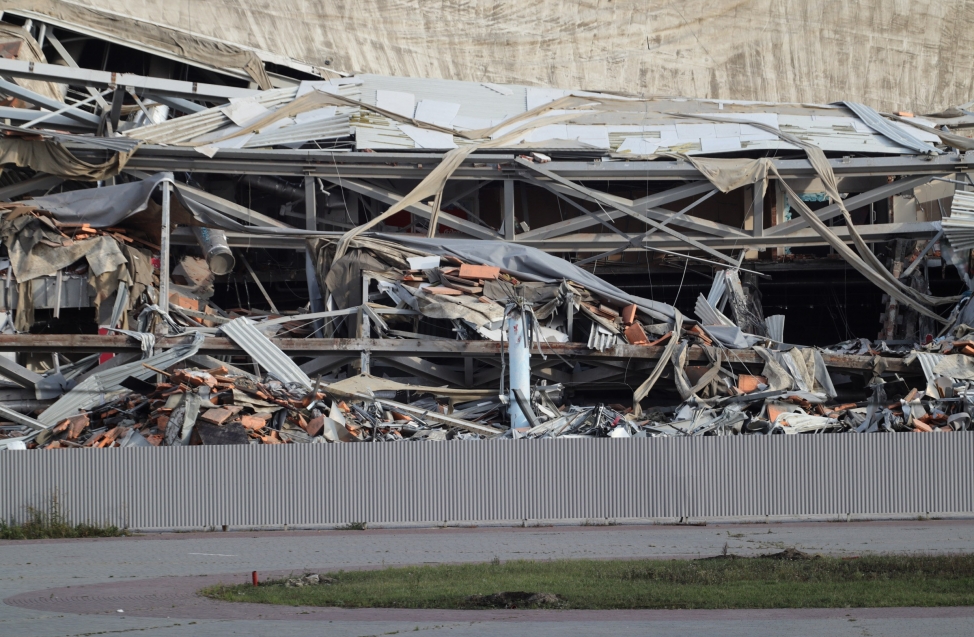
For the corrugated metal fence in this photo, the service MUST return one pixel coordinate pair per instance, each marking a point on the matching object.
(574, 479)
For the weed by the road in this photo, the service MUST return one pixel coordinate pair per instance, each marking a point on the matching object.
(788, 580)
(53, 523)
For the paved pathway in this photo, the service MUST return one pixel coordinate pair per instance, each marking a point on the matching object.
(76, 587)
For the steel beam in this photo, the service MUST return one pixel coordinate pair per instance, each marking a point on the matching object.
(592, 242)
(104, 79)
(18, 116)
(42, 101)
(651, 201)
(493, 165)
(604, 242)
(852, 203)
(229, 208)
(419, 209)
(382, 348)
(63, 52)
(507, 211)
(42, 182)
(644, 217)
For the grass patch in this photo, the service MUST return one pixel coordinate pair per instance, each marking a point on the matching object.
(352, 526)
(53, 524)
(789, 581)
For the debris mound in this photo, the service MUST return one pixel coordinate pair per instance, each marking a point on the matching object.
(310, 579)
(516, 599)
(790, 555)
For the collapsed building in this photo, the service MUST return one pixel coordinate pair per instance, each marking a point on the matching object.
(209, 244)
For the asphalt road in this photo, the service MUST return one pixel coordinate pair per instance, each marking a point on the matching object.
(77, 587)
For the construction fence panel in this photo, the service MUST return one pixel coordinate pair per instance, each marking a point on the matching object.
(501, 481)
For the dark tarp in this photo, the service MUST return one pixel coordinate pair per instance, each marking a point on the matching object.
(109, 206)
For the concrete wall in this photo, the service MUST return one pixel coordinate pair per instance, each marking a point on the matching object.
(892, 54)
(755, 477)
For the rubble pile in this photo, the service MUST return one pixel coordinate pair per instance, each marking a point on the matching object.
(386, 289)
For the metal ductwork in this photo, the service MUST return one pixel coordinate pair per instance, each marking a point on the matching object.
(216, 249)
(275, 186)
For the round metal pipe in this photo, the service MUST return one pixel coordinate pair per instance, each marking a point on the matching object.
(275, 186)
(216, 249)
(520, 359)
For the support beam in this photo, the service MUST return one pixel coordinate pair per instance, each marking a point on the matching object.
(757, 210)
(63, 52)
(41, 101)
(382, 348)
(164, 248)
(465, 193)
(326, 364)
(601, 242)
(436, 372)
(419, 209)
(18, 116)
(651, 201)
(601, 198)
(601, 216)
(19, 374)
(923, 255)
(42, 182)
(104, 79)
(311, 223)
(118, 97)
(507, 213)
(494, 165)
(49, 115)
(695, 224)
(176, 103)
(229, 208)
(852, 203)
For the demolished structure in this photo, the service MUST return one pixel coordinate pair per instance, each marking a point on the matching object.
(238, 248)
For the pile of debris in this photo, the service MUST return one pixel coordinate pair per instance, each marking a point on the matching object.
(42, 251)
(402, 290)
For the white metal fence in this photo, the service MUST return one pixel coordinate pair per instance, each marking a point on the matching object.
(498, 481)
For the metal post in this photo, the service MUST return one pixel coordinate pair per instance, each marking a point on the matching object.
(311, 223)
(164, 250)
(519, 353)
(757, 214)
(508, 210)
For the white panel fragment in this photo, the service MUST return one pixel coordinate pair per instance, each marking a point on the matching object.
(315, 115)
(497, 88)
(638, 146)
(397, 102)
(918, 133)
(424, 138)
(540, 96)
(728, 130)
(244, 111)
(550, 131)
(464, 122)
(437, 113)
(718, 144)
(695, 131)
(593, 135)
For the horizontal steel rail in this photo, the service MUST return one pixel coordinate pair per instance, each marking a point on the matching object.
(218, 346)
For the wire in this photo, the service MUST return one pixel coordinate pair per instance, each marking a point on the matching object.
(680, 289)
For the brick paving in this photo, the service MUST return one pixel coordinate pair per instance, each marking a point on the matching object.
(77, 587)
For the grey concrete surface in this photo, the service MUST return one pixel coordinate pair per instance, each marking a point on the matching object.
(27, 569)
